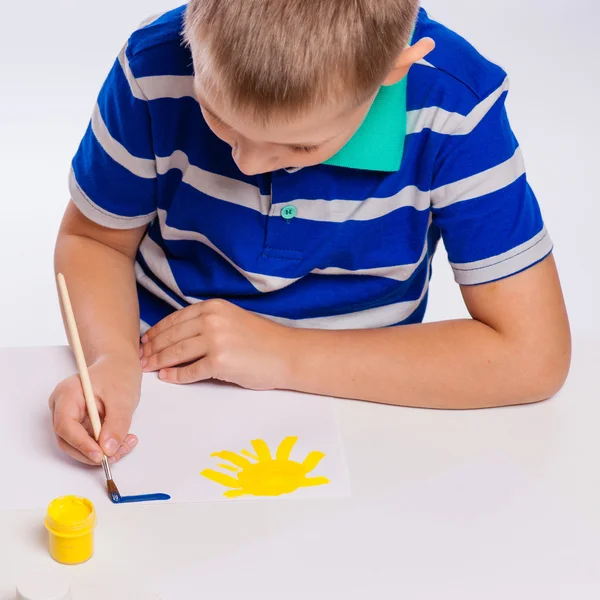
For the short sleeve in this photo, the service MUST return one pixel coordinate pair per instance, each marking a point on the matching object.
(113, 175)
(488, 215)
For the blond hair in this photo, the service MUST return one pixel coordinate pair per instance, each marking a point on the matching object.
(285, 56)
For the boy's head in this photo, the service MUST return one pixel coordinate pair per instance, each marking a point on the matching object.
(288, 82)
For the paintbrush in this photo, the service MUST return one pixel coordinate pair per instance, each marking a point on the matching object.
(88, 393)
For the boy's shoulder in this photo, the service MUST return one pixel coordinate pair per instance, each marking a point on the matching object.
(455, 67)
(157, 47)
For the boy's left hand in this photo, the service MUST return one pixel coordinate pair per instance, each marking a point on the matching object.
(217, 340)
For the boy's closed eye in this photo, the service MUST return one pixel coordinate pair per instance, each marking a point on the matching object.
(306, 149)
(300, 149)
(214, 117)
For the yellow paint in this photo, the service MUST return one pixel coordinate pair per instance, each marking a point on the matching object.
(70, 522)
(249, 454)
(229, 468)
(69, 511)
(266, 476)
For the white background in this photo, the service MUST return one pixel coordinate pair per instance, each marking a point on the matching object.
(55, 54)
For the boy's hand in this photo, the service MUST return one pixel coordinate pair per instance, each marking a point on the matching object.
(217, 340)
(116, 383)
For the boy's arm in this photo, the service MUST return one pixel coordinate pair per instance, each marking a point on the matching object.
(98, 264)
(515, 350)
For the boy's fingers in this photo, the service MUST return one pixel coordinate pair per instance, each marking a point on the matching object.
(179, 354)
(68, 449)
(72, 432)
(126, 447)
(197, 371)
(169, 338)
(179, 316)
(75, 436)
(115, 428)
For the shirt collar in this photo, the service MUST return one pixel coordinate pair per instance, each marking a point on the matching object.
(378, 145)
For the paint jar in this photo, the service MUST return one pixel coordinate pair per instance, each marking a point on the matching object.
(71, 521)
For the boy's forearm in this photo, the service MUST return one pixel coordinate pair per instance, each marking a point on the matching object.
(452, 365)
(102, 288)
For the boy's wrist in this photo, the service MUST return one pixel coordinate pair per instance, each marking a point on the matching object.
(290, 358)
(124, 355)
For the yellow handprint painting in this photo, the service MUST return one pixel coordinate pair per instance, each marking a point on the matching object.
(260, 474)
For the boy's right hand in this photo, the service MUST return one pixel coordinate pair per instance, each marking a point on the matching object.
(116, 383)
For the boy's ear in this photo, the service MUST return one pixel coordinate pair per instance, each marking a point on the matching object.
(408, 58)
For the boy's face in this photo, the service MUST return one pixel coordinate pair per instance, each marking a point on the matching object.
(305, 141)
(301, 142)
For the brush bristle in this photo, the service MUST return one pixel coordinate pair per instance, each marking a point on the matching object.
(113, 492)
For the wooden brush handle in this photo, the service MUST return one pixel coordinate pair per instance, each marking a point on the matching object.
(88, 392)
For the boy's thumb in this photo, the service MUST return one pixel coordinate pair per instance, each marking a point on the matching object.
(114, 430)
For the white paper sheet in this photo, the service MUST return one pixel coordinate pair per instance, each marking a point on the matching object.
(178, 427)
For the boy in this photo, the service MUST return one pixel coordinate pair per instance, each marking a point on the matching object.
(265, 192)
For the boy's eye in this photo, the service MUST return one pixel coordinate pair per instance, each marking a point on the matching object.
(307, 149)
(213, 117)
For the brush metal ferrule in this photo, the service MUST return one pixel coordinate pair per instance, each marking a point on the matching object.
(106, 466)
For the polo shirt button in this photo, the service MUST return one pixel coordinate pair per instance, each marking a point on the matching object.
(289, 212)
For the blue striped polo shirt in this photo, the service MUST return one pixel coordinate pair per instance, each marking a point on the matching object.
(357, 254)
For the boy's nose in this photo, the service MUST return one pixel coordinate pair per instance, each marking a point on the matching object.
(250, 161)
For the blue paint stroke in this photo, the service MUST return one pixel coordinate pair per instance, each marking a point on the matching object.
(143, 498)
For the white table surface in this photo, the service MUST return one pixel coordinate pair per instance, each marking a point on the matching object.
(490, 504)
